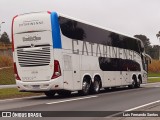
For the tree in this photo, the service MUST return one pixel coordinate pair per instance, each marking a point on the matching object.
(154, 52)
(146, 42)
(158, 36)
(5, 38)
(144, 39)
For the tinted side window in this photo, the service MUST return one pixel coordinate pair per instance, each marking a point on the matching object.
(141, 46)
(131, 44)
(116, 64)
(70, 29)
(84, 32)
(81, 31)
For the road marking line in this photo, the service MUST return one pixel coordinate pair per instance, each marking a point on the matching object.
(143, 106)
(135, 108)
(71, 100)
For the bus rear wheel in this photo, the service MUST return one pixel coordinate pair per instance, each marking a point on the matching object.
(50, 94)
(133, 83)
(96, 87)
(139, 81)
(138, 84)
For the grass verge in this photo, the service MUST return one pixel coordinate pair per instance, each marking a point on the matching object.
(7, 93)
(153, 80)
(153, 74)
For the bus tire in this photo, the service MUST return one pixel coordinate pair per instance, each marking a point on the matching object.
(138, 84)
(85, 87)
(64, 93)
(133, 83)
(50, 94)
(96, 86)
(107, 89)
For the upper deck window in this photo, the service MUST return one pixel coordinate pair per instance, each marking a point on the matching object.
(81, 31)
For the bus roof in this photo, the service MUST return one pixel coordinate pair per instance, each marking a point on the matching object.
(85, 22)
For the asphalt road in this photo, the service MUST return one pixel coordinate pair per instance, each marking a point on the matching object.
(117, 100)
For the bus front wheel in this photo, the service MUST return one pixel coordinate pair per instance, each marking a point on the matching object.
(138, 84)
(85, 88)
(133, 84)
(50, 94)
(64, 93)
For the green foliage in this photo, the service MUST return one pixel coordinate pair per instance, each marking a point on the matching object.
(144, 39)
(5, 38)
(153, 51)
(158, 34)
(153, 74)
(152, 80)
(146, 42)
(14, 93)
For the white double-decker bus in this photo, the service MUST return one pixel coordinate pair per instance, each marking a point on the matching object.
(55, 53)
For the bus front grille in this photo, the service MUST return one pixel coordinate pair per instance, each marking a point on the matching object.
(39, 57)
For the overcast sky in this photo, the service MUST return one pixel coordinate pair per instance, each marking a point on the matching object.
(125, 16)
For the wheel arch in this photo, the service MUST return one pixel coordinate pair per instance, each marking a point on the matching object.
(134, 77)
(88, 78)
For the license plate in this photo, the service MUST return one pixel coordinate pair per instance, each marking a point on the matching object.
(35, 86)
